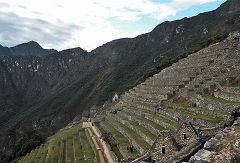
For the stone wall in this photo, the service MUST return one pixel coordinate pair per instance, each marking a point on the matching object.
(227, 97)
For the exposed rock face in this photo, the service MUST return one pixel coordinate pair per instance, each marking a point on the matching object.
(48, 92)
(224, 147)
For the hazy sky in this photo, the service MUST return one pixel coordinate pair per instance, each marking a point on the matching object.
(62, 24)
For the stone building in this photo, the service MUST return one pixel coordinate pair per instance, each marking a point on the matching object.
(165, 147)
(115, 98)
(185, 135)
(93, 110)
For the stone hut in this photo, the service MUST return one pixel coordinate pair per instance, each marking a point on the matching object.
(115, 98)
(93, 110)
(85, 114)
(185, 135)
(165, 147)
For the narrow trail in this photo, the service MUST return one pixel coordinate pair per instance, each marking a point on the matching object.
(103, 144)
(102, 148)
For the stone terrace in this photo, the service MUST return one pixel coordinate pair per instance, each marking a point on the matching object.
(202, 89)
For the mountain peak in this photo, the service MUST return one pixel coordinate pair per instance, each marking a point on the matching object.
(31, 48)
(30, 44)
(33, 43)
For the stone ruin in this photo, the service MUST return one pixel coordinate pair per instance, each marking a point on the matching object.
(205, 79)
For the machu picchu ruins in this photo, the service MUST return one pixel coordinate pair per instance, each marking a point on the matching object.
(182, 114)
(169, 95)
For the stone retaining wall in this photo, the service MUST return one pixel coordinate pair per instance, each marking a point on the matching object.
(227, 97)
(147, 126)
(143, 136)
(130, 139)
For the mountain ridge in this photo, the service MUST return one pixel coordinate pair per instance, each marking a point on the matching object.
(61, 86)
(30, 48)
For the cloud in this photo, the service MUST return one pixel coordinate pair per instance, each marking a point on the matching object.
(15, 30)
(64, 24)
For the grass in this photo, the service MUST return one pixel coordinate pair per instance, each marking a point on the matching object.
(142, 143)
(112, 143)
(70, 154)
(50, 152)
(78, 150)
(141, 128)
(156, 115)
(121, 141)
(151, 123)
(198, 116)
(88, 151)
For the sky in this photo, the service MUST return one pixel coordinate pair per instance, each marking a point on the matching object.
(63, 24)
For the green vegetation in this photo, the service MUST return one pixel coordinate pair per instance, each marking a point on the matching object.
(158, 116)
(139, 127)
(122, 142)
(142, 143)
(151, 123)
(204, 117)
(77, 146)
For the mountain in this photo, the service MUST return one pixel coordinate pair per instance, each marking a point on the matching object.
(157, 113)
(4, 51)
(31, 48)
(42, 94)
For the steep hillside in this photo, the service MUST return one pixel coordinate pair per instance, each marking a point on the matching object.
(155, 119)
(53, 89)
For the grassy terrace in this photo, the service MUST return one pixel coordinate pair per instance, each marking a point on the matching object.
(41, 154)
(158, 116)
(200, 108)
(223, 101)
(139, 127)
(206, 109)
(155, 99)
(70, 154)
(121, 141)
(142, 143)
(112, 141)
(143, 103)
(151, 123)
(77, 148)
(51, 151)
(204, 117)
(139, 100)
(88, 151)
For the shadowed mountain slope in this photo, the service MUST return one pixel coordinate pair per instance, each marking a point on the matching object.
(49, 91)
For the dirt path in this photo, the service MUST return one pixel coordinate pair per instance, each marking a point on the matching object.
(95, 142)
(103, 143)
